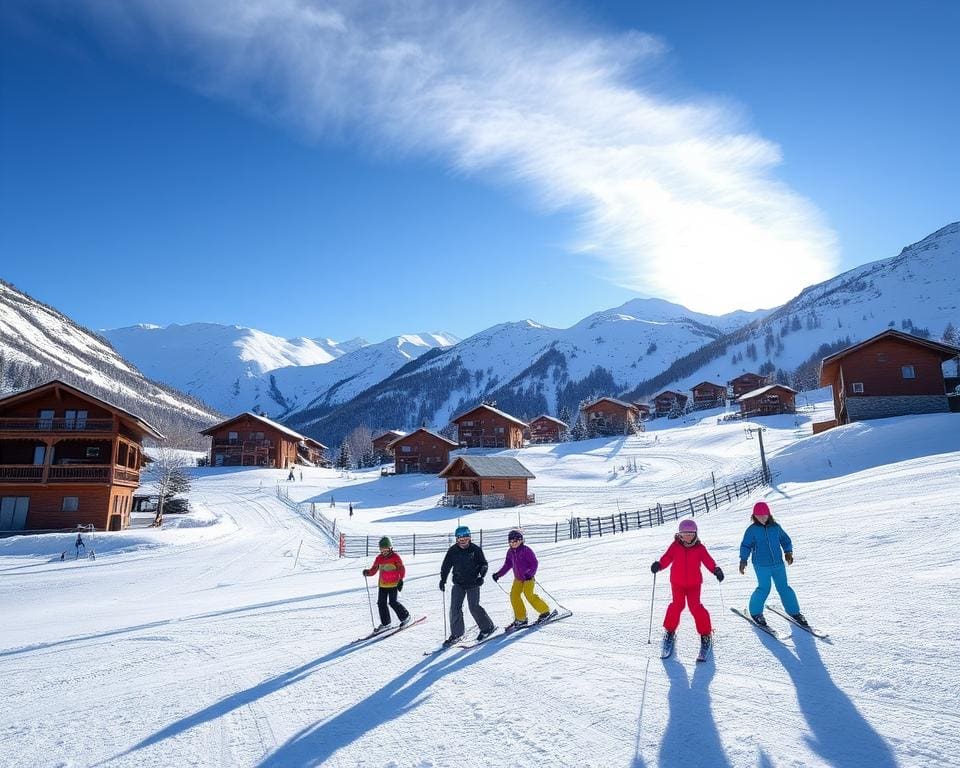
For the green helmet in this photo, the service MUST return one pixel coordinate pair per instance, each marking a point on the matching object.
(385, 543)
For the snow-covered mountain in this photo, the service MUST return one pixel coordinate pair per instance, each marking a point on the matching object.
(917, 291)
(38, 343)
(237, 369)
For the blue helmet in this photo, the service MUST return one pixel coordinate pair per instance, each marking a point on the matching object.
(462, 531)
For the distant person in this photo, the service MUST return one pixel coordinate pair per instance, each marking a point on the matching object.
(390, 584)
(686, 554)
(469, 566)
(301, 475)
(763, 542)
(79, 543)
(524, 564)
(291, 475)
(351, 509)
(332, 502)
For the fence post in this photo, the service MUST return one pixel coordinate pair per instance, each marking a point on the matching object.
(693, 512)
(715, 502)
(368, 545)
(343, 545)
(613, 525)
(556, 532)
(414, 545)
(589, 532)
(599, 528)
(481, 538)
(659, 513)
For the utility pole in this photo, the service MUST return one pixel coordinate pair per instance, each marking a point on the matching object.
(763, 456)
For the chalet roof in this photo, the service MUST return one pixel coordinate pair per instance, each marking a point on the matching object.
(621, 403)
(489, 466)
(262, 419)
(426, 431)
(829, 364)
(395, 432)
(709, 384)
(144, 425)
(311, 441)
(669, 392)
(554, 419)
(490, 408)
(763, 390)
(746, 375)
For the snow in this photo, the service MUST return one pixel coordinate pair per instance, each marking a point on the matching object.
(208, 646)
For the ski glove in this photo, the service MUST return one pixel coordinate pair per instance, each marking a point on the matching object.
(495, 577)
(366, 572)
(479, 581)
(400, 585)
(443, 585)
(655, 566)
(788, 556)
(718, 572)
(743, 566)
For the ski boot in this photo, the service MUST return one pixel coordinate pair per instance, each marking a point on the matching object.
(759, 620)
(381, 628)
(484, 635)
(800, 619)
(516, 624)
(544, 616)
(452, 640)
(405, 620)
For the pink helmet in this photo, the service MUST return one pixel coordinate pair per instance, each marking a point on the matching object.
(761, 508)
(688, 526)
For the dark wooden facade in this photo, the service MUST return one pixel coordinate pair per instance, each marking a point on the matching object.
(668, 402)
(314, 452)
(707, 394)
(68, 458)
(890, 374)
(644, 410)
(546, 429)
(421, 451)
(249, 440)
(486, 482)
(382, 442)
(746, 382)
(768, 401)
(607, 416)
(489, 427)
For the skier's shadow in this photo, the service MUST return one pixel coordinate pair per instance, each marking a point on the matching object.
(841, 735)
(316, 743)
(691, 736)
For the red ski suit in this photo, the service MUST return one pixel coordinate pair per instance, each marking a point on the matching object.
(686, 578)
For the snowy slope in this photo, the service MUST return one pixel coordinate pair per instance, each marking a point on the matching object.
(242, 658)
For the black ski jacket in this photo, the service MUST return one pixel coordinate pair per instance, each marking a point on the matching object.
(468, 565)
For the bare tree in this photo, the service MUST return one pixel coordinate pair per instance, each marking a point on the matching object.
(168, 472)
(360, 443)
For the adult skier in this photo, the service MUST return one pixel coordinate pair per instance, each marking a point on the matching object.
(768, 545)
(391, 569)
(469, 566)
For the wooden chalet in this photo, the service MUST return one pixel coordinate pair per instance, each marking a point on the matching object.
(489, 427)
(68, 458)
(249, 440)
(421, 451)
(668, 402)
(607, 416)
(485, 482)
(890, 374)
(769, 400)
(644, 410)
(745, 382)
(313, 452)
(706, 394)
(380, 443)
(546, 429)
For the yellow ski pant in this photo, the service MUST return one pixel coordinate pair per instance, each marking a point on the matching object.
(525, 588)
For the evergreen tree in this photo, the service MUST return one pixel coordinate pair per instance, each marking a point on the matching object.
(344, 460)
(579, 431)
(951, 335)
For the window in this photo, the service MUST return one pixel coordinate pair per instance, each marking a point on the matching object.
(498, 430)
(405, 449)
(93, 452)
(46, 420)
(13, 512)
(70, 504)
(881, 357)
(908, 372)
(468, 423)
(73, 419)
(39, 453)
(233, 436)
(858, 387)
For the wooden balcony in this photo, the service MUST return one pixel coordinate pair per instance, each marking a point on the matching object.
(56, 425)
(68, 473)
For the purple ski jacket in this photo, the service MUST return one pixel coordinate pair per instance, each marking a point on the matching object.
(523, 562)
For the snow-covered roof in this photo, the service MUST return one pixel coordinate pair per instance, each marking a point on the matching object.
(945, 350)
(621, 403)
(763, 390)
(425, 430)
(264, 419)
(490, 466)
(561, 422)
(492, 410)
(394, 432)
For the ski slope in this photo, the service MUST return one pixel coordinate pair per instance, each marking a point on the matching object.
(202, 645)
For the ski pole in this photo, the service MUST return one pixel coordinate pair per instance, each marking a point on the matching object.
(549, 595)
(723, 605)
(369, 602)
(650, 631)
(443, 596)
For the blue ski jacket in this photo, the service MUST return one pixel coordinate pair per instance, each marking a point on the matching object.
(765, 542)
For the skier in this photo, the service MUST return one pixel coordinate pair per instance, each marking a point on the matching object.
(763, 540)
(290, 476)
(351, 509)
(390, 584)
(686, 554)
(524, 563)
(469, 567)
(79, 543)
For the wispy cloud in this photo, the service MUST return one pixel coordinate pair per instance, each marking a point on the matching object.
(677, 198)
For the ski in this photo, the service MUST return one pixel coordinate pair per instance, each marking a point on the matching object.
(389, 631)
(769, 630)
(442, 647)
(705, 649)
(667, 646)
(555, 615)
(812, 630)
(474, 643)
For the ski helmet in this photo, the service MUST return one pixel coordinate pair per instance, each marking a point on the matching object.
(461, 532)
(688, 526)
(515, 535)
(385, 543)
(760, 509)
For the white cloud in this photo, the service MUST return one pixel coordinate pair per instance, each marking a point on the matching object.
(677, 198)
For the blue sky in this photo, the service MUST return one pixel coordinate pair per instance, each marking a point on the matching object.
(335, 169)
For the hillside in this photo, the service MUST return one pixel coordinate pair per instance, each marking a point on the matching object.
(247, 649)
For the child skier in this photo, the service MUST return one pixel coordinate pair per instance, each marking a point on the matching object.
(763, 541)
(687, 553)
(390, 584)
(524, 563)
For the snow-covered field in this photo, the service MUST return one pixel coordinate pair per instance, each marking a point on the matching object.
(201, 644)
